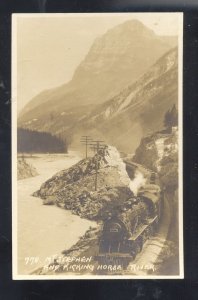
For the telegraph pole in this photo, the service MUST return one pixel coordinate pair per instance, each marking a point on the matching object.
(85, 140)
(96, 178)
(97, 145)
(93, 148)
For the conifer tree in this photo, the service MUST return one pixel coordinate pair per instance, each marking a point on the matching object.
(171, 117)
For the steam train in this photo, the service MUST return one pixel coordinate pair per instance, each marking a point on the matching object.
(125, 232)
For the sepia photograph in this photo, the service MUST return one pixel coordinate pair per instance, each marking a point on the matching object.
(97, 147)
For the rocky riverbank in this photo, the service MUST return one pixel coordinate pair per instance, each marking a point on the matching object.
(74, 188)
(25, 170)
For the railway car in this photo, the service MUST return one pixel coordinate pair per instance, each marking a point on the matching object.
(124, 234)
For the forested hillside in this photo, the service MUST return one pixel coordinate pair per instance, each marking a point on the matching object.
(39, 142)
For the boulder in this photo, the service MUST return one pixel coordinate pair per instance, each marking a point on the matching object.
(74, 188)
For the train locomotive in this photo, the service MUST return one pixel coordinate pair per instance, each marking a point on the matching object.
(125, 232)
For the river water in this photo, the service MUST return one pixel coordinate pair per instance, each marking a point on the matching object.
(43, 231)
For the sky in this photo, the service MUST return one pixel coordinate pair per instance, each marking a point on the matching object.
(47, 48)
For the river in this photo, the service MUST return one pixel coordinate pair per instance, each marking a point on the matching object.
(42, 230)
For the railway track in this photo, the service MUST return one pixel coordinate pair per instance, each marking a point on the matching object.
(153, 247)
(145, 262)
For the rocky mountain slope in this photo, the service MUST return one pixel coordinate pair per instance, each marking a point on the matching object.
(159, 152)
(136, 110)
(74, 188)
(115, 60)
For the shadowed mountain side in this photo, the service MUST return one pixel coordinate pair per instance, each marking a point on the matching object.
(116, 59)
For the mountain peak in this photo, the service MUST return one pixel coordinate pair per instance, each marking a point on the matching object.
(133, 26)
(115, 60)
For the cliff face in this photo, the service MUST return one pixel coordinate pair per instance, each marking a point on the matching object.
(159, 152)
(24, 170)
(74, 188)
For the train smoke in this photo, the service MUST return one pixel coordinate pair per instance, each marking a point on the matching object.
(137, 182)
